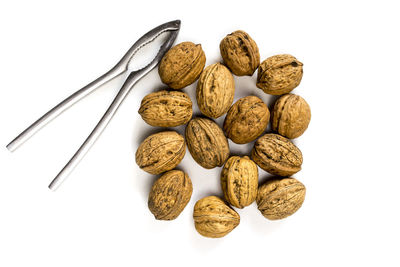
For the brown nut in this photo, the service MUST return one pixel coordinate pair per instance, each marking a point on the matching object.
(291, 116)
(239, 181)
(240, 53)
(280, 198)
(170, 194)
(277, 155)
(207, 143)
(246, 120)
(161, 152)
(280, 74)
(166, 108)
(215, 90)
(182, 65)
(213, 218)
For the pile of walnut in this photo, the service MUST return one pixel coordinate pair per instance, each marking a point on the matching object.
(245, 121)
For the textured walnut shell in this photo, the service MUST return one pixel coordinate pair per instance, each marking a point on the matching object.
(239, 181)
(278, 199)
(240, 53)
(166, 108)
(291, 116)
(161, 152)
(182, 65)
(215, 90)
(280, 74)
(170, 194)
(213, 218)
(277, 155)
(207, 143)
(246, 120)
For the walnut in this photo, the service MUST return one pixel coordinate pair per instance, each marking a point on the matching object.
(207, 143)
(182, 65)
(161, 152)
(291, 116)
(239, 181)
(277, 155)
(246, 119)
(213, 218)
(169, 195)
(280, 74)
(215, 90)
(240, 53)
(280, 198)
(166, 108)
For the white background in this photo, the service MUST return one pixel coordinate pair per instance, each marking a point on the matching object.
(99, 216)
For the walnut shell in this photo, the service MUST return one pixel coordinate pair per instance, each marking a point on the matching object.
(280, 74)
(277, 155)
(207, 143)
(246, 119)
(280, 198)
(161, 152)
(291, 116)
(182, 65)
(240, 53)
(239, 181)
(166, 108)
(170, 194)
(215, 90)
(213, 218)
